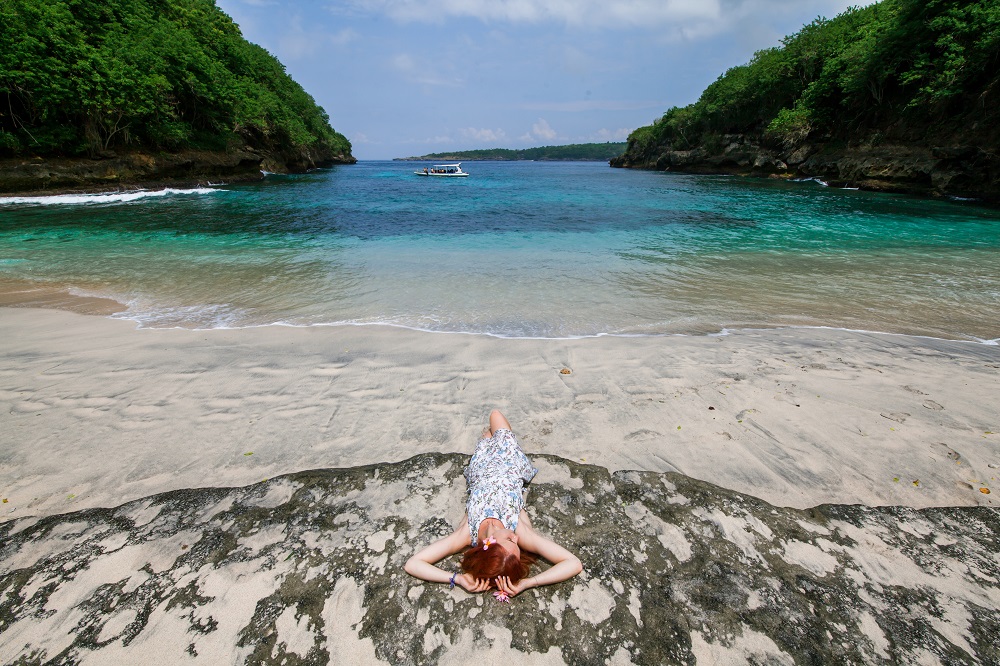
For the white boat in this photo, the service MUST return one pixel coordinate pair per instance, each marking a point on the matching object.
(443, 171)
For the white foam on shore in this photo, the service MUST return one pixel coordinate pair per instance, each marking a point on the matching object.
(224, 317)
(103, 198)
(718, 334)
(217, 316)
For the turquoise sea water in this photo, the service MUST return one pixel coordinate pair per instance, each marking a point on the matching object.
(519, 249)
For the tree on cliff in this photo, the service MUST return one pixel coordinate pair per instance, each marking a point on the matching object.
(82, 77)
(904, 70)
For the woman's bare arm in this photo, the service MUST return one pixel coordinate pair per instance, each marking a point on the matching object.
(565, 564)
(422, 564)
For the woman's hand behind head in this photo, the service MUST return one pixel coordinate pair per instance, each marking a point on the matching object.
(512, 589)
(472, 584)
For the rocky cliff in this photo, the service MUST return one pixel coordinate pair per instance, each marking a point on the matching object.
(307, 569)
(961, 170)
(898, 95)
(112, 171)
(100, 95)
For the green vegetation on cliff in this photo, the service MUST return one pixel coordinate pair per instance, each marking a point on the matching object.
(904, 71)
(82, 77)
(595, 152)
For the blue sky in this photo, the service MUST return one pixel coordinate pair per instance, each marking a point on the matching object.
(410, 77)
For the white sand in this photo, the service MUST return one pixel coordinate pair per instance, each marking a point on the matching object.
(94, 412)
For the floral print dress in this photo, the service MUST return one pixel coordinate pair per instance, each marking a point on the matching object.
(496, 476)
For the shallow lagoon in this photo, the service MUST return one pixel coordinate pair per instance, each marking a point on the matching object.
(519, 249)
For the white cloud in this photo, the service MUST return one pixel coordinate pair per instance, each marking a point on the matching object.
(429, 80)
(403, 62)
(430, 140)
(297, 41)
(604, 135)
(572, 12)
(342, 37)
(688, 18)
(575, 106)
(484, 135)
(542, 130)
(420, 72)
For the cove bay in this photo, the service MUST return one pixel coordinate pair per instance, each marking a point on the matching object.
(522, 249)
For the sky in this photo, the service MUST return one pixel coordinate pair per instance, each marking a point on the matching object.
(403, 78)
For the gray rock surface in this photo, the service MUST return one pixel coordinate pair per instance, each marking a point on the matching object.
(911, 169)
(37, 175)
(307, 569)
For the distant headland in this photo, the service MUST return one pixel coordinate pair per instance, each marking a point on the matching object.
(902, 95)
(577, 152)
(142, 92)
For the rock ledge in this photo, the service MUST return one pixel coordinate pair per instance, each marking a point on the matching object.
(296, 569)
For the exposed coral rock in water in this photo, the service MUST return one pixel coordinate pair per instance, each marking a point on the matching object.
(307, 568)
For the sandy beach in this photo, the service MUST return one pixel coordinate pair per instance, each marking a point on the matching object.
(96, 413)
(250, 496)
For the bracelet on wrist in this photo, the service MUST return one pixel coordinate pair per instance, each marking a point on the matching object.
(451, 583)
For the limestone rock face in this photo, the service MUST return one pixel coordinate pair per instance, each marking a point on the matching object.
(962, 170)
(114, 171)
(307, 569)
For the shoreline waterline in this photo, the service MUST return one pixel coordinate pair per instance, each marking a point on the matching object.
(25, 294)
(56, 299)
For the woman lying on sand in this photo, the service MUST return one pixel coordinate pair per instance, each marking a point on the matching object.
(499, 543)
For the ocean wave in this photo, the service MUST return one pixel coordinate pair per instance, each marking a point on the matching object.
(812, 180)
(209, 317)
(102, 198)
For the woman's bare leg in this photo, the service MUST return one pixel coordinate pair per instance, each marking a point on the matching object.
(497, 421)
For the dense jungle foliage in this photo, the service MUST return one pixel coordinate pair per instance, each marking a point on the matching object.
(596, 152)
(87, 76)
(896, 69)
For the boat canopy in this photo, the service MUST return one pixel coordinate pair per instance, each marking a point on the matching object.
(454, 169)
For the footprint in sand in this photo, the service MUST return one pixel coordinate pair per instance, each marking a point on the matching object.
(27, 406)
(544, 428)
(329, 370)
(930, 404)
(898, 417)
(913, 390)
(945, 451)
(642, 435)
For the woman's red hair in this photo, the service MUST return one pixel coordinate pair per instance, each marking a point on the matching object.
(494, 562)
